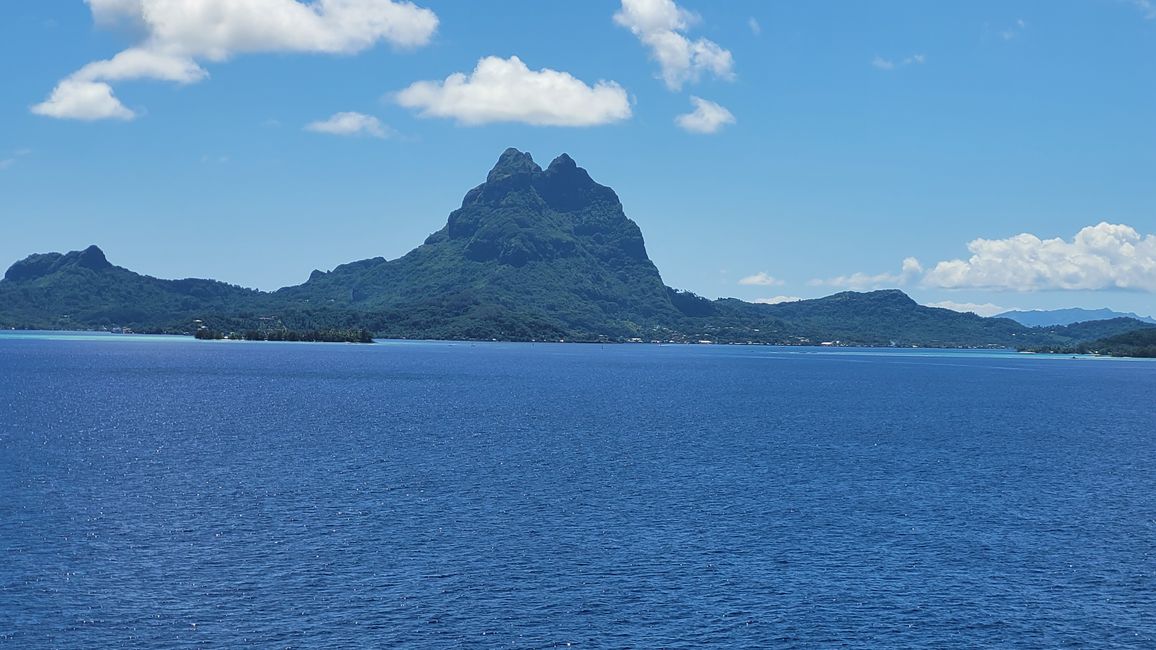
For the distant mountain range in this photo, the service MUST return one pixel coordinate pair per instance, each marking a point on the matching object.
(1043, 318)
(531, 254)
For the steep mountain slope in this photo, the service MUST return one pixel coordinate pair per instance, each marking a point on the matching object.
(531, 254)
(549, 248)
(82, 289)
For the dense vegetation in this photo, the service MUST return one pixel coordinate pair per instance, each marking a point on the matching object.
(1137, 343)
(531, 255)
(82, 290)
(325, 336)
(1134, 343)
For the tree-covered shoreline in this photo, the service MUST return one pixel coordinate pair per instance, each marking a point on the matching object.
(1139, 343)
(306, 336)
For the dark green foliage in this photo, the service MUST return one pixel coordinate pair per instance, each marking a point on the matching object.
(311, 336)
(1093, 330)
(531, 255)
(1137, 343)
(878, 318)
(1134, 342)
(82, 290)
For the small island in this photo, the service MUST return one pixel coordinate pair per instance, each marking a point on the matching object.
(310, 336)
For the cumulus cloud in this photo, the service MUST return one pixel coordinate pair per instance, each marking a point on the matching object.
(1104, 256)
(760, 279)
(83, 100)
(179, 33)
(351, 124)
(138, 63)
(910, 271)
(661, 25)
(707, 117)
(980, 309)
(218, 29)
(506, 90)
(775, 300)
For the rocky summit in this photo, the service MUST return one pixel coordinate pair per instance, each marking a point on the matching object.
(550, 249)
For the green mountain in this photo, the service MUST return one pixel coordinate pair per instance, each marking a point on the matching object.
(1118, 337)
(83, 290)
(887, 317)
(531, 254)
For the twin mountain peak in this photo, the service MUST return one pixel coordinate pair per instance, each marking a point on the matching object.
(531, 254)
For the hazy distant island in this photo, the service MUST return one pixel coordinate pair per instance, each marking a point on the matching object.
(532, 254)
(1049, 317)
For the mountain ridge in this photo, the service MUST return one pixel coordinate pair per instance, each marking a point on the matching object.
(531, 254)
(1067, 316)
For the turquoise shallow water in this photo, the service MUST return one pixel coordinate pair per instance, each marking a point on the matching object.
(446, 495)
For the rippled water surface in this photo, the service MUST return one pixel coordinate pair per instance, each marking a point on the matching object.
(160, 493)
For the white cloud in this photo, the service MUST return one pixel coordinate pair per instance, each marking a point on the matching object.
(137, 63)
(83, 100)
(1011, 32)
(760, 279)
(980, 309)
(756, 28)
(218, 29)
(1147, 8)
(179, 33)
(910, 270)
(660, 26)
(1104, 256)
(351, 124)
(505, 90)
(777, 300)
(881, 63)
(6, 163)
(707, 117)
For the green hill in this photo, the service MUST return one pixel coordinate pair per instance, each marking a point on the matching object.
(83, 290)
(531, 254)
(1137, 343)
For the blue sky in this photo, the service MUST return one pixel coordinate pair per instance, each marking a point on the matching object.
(836, 144)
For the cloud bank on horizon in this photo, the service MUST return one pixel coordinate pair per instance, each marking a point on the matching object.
(1100, 257)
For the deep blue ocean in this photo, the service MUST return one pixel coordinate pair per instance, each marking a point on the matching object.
(164, 493)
